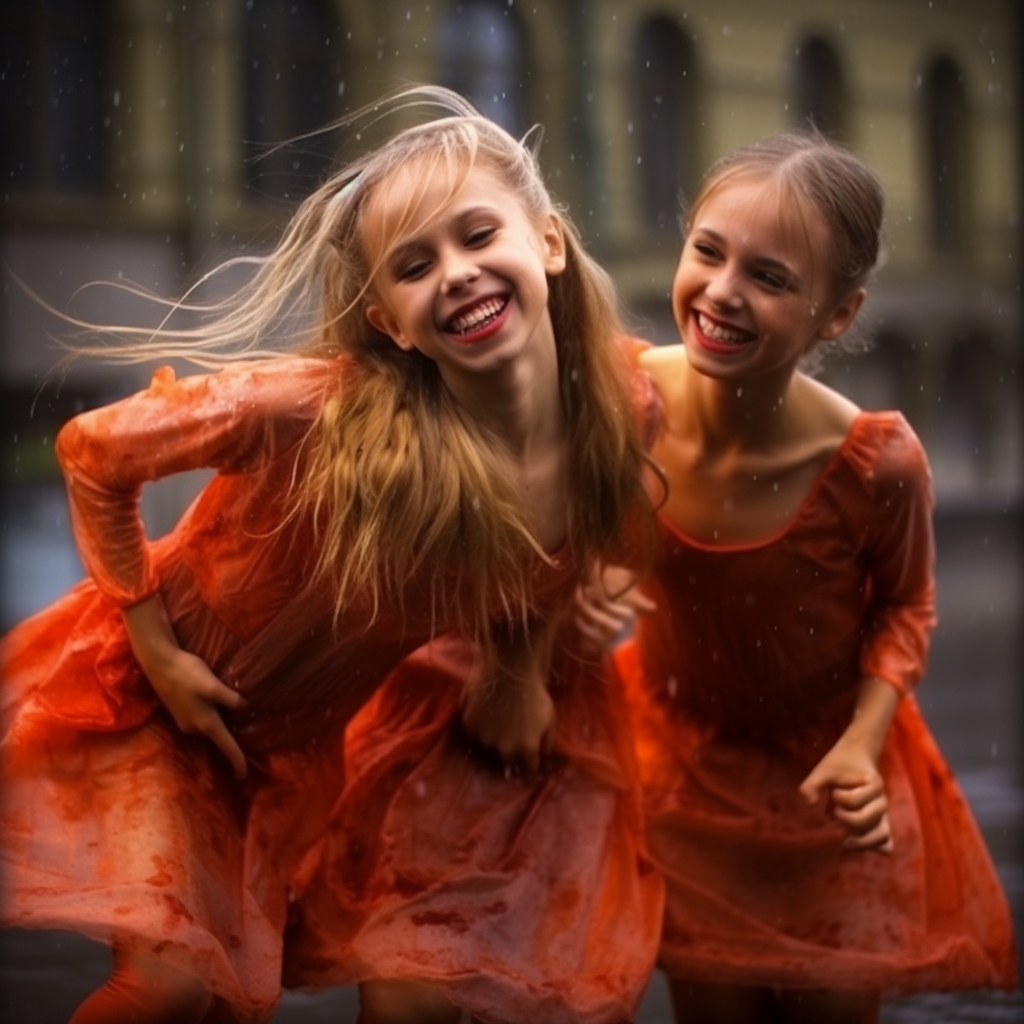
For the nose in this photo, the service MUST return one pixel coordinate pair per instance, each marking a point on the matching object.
(722, 287)
(458, 269)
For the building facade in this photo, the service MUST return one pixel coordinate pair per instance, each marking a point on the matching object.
(140, 145)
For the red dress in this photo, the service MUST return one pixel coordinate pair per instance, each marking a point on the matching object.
(521, 899)
(742, 680)
(113, 822)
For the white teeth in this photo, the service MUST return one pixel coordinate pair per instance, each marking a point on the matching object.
(487, 310)
(712, 330)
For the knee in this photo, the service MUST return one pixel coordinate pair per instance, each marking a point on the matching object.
(405, 1002)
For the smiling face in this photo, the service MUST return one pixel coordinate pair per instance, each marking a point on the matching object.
(464, 278)
(752, 292)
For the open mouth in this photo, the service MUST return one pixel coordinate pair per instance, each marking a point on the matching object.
(473, 320)
(722, 335)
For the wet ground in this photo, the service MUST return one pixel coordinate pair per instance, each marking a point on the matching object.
(973, 703)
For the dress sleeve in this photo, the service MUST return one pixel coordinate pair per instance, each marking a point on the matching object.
(232, 421)
(901, 561)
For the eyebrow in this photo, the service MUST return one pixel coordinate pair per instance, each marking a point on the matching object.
(768, 262)
(414, 244)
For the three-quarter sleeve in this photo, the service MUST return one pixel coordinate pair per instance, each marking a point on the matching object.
(232, 421)
(901, 562)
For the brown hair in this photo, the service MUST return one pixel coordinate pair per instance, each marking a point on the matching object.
(813, 169)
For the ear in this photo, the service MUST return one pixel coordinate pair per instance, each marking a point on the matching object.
(381, 318)
(553, 241)
(843, 314)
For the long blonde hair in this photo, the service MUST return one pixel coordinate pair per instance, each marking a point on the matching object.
(394, 476)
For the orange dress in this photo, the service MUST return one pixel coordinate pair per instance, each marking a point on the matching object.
(114, 823)
(522, 899)
(742, 680)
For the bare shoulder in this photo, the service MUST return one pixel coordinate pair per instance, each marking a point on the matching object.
(832, 411)
(663, 361)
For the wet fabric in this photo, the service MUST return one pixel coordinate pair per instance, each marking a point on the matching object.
(114, 823)
(521, 899)
(742, 680)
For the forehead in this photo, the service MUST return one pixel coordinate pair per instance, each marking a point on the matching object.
(763, 212)
(418, 194)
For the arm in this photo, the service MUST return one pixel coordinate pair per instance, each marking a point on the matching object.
(900, 554)
(506, 705)
(230, 421)
(848, 774)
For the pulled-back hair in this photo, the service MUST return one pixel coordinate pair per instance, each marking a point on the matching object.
(813, 169)
(393, 475)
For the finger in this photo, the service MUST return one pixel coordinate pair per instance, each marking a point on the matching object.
(878, 838)
(862, 819)
(224, 695)
(640, 602)
(811, 789)
(854, 796)
(876, 842)
(217, 732)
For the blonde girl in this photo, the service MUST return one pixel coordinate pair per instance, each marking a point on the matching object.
(818, 852)
(452, 440)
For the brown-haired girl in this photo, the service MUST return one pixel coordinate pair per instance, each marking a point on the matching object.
(455, 441)
(818, 852)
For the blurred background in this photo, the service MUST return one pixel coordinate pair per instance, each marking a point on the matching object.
(138, 145)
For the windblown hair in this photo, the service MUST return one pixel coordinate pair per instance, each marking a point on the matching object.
(394, 476)
(814, 172)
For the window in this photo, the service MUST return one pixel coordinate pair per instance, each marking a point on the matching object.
(945, 151)
(482, 57)
(820, 92)
(54, 98)
(665, 117)
(293, 83)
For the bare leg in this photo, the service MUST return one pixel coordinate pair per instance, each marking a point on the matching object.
(144, 990)
(816, 1007)
(405, 1002)
(723, 1004)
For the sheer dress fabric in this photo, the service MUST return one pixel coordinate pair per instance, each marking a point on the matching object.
(113, 822)
(742, 680)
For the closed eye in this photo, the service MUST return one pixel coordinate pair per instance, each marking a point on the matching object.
(706, 250)
(479, 237)
(410, 269)
(773, 280)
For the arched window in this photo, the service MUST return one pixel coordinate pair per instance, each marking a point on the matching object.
(945, 151)
(54, 99)
(965, 414)
(293, 81)
(820, 100)
(482, 56)
(665, 118)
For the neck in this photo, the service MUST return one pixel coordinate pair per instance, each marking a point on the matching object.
(749, 414)
(518, 402)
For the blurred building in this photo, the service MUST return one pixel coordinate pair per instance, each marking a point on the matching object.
(138, 145)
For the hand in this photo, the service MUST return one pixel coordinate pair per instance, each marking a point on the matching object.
(514, 717)
(192, 695)
(848, 777)
(607, 606)
(183, 682)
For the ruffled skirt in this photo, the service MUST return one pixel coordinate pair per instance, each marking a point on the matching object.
(522, 899)
(402, 854)
(760, 891)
